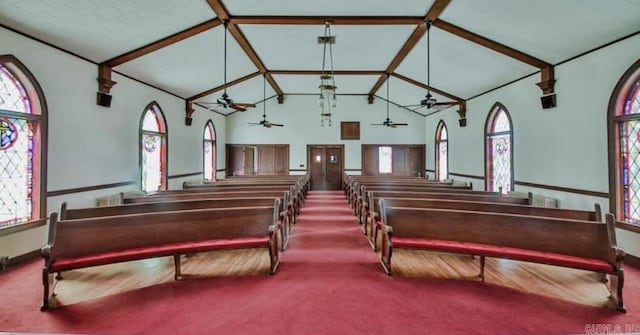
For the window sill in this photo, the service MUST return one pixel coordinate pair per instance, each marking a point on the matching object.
(22, 227)
(627, 226)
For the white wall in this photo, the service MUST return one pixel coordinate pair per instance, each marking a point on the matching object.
(565, 146)
(90, 145)
(301, 117)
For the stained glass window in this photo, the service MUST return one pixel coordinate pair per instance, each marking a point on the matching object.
(629, 135)
(19, 149)
(385, 164)
(499, 151)
(154, 151)
(442, 151)
(209, 152)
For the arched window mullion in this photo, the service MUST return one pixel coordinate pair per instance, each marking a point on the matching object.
(624, 147)
(209, 152)
(153, 149)
(23, 129)
(442, 151)
(499, 150)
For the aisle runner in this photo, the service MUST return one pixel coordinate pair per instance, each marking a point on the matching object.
(327, 237)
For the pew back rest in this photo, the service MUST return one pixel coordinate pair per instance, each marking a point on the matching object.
(562, 236)
(202, 195)
(167, 206)
(479, 206)
(372, 198)
(81, 237)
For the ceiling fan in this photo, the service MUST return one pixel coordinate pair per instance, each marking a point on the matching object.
(429, 101)
(388, 122)
(265, 123)
(225, 101)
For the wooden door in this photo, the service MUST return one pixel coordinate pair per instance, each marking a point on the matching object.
(249, 161)
(326, 166)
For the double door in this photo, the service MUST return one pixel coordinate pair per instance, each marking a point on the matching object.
(326, 166)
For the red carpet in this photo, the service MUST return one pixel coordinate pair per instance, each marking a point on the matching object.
(329, 282)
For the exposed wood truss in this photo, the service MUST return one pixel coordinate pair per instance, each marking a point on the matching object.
(433, 13)
(546, 69)
(547, 81)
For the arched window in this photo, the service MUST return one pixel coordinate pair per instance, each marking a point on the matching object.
(209, 157)
(624, 146)
(442, 152)
(22, 145)
(499, 150)
(153, 152)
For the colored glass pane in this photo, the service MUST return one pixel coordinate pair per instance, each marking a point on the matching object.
(208, 160)
(16, 172)
(443, 133)
(501, 162)
(442, 160)
(630, 158)
(13, 96)
(384, 160)
(150, 122)
(501, 122)
(151, 163)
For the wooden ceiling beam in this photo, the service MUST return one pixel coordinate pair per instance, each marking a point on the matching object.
(426, 87)
(161, 43)
(221, 87)
(335, 20)
(223, 13)
(490, 44)
(319, 72)
(436, 9)
(546, 69)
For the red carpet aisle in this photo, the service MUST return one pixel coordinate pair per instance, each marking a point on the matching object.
(329, 282)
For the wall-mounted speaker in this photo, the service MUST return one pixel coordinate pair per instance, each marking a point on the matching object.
(103, 99)
(548, 101)
(462, 122)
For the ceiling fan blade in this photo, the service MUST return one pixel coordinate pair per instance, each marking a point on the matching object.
(400, 124)
(378, 124)
(277, 125)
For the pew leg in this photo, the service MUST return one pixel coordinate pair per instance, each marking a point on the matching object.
(616, 284)
(482, 261)
(385, 255)
(374, 235)
(274, 259)
(177, 267)
(603, 277)
(47, 283)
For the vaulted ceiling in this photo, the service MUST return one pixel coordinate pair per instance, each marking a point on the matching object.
(178, 46)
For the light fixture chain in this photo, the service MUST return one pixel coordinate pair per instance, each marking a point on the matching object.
(428, 23)
(226, 23)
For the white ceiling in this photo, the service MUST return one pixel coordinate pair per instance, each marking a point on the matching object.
(100, 30)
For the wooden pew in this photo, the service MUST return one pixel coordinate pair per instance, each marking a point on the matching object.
(584, 245)
(81, 243)
(560, 213)
(181, 205)
(370, 209)
(287, 204)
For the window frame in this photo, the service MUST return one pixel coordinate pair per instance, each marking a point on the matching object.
(488, 156)
(164, 146)
(210, 127)
(438, 141)
(39, 115)
(615, 116)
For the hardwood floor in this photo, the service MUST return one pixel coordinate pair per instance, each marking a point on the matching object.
(568, 284)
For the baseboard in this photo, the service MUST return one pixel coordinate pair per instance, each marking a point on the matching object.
(20, 259)
(632, 260)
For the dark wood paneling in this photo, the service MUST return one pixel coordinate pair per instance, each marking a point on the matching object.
(349, 130)
(407, 159)
(563, 189)
(370, 160)
(266, 160)
(271, 159)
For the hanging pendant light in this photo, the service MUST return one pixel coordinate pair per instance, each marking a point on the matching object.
(327, 102)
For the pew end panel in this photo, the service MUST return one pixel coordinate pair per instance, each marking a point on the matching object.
(578, 244)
